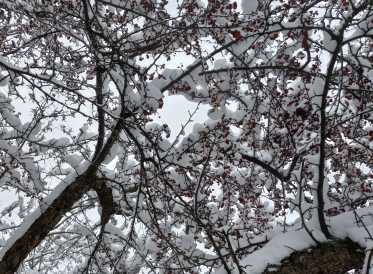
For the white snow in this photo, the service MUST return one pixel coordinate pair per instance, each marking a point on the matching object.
(73, 159)
(249, 6)
(329, 43)
(3, 80)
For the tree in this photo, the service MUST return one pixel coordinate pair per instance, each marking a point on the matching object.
(280, 172)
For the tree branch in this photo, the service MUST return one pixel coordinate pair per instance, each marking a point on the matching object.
(272, 170)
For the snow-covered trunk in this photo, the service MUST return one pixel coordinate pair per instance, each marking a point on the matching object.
(332, 257)
(45, 223)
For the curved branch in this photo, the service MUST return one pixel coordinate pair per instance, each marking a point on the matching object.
(273, 171)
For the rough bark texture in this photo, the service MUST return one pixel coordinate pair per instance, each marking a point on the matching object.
(333, 257)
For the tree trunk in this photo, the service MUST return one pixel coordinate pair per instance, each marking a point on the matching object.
(44, 224)
(333, 257)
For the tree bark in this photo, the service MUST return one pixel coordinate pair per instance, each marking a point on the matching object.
(44, 224)
(332, 257)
